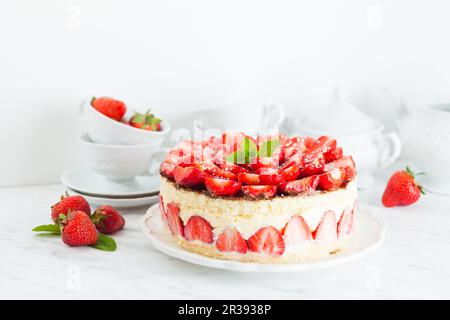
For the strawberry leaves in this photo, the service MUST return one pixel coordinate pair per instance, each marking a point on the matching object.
(249, 150)
(146, 121)
(49, 228)
(105, 243)
(414, 175)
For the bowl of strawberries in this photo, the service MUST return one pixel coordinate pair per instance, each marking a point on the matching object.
(110, 121)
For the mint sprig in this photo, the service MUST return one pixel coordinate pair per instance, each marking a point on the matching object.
(249, 150)
(105, 243)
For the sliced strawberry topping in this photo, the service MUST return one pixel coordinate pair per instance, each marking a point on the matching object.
(334, 155)
(323, 144)
(222, 187)
(207, 167)
(345, 224)
(296, 231)
(230, 240)
(219, 157)
(277, 157)
(346, 163)
(270, 137)
(267, 240)
(186, 146)
(270, 176)
(186, 161)
(166, 169)
(309, 142)
(234, 168)
(213, 170)
(162, 209)
(290, 173)
(197, 228)
(189, 176)
(225, 174)
(174, 154)
(314, 164)
(248, 178)
(332, 180)
(173, 219)
(290, 160)
(235, 140)
(327, 228)
(294, 145)
(298, 159)
(271, 179)
(308, 185)
(265, 162)
(260, 192)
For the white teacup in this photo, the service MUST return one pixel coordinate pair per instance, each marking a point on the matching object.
(252, 117)
(122, 162)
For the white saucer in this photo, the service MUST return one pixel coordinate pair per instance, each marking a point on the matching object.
(85, 180)
(114, 202)
(368, 236)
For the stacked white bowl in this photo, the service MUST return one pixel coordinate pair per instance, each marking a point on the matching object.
(117, 150)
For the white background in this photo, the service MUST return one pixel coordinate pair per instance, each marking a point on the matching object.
(176, 56)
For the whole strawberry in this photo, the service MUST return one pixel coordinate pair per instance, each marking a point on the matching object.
(70, 203)
(110, 107)
(77, 229)
(107, 219)
(402, 189)
(145, 121)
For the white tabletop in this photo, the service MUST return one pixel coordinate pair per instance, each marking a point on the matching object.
(413, 262)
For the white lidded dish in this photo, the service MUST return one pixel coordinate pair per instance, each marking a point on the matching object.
(360, 135)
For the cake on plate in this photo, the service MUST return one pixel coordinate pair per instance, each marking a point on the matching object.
(265, 199)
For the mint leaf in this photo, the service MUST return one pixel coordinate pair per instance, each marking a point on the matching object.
(51, 228)
(268, 147)
(247, 151)
(105, 243)
(236, 157)
(250, 148)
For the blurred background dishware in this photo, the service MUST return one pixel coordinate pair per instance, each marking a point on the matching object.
(252, 117)
(119, 203)
(122, 162)
(359, 134)
(104, 130)
(83, 179)
(425, 131)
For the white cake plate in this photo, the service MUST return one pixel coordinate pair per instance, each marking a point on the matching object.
(368, 236)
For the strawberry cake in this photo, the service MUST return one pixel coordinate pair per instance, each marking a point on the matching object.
(265, 199)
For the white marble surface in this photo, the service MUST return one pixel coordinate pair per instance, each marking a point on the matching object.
(414, 261)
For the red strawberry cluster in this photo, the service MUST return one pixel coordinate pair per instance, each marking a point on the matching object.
(239, 165)
(78, 227)
(116, 109)
(268, 240)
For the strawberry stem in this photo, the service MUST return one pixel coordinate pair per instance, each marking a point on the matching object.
(421, 190)
(413, 175)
